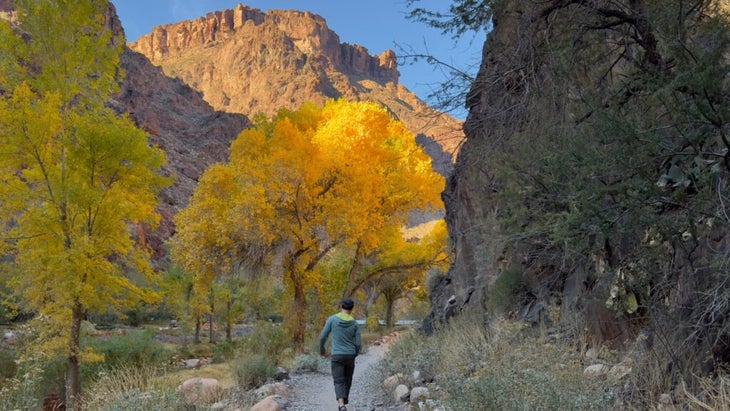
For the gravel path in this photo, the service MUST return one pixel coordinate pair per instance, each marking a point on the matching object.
(316, 392)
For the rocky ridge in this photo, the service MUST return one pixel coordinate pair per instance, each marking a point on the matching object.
(248, 61)
(192, 134)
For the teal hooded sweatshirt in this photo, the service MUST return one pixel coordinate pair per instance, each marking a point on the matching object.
(345, 335)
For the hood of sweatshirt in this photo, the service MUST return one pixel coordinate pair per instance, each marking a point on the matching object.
(345, 320)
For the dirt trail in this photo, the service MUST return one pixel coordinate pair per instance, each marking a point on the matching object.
(315, 391)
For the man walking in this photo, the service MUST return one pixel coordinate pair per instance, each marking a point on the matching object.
(345, 347)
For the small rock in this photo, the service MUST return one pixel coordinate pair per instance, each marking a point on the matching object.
(393, 381)
(595, 370)
(591, 353)
(267, 390)
(419, 394)
(401, 393)
(619, 371)
(665, 399)
(281, 374)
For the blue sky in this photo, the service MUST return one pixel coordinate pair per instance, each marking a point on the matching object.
(375, 24)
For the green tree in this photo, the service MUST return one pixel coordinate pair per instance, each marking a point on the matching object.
(74, 177)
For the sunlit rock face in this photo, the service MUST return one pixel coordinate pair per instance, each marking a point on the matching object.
(249, 62)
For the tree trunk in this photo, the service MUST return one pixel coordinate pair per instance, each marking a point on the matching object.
(73, 380)
(211, 328)
(300, 311)
(389, 303)
(229, 319)
(196, 340)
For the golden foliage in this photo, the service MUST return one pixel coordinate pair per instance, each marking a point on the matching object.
(73, 175)
(301, 184)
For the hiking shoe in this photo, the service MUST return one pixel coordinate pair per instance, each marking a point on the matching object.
(342, 408)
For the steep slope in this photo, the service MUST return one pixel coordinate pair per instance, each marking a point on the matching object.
(247, 61)
(591, 190)
(193, 135)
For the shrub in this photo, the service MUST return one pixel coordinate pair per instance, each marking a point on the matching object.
(501, 295)
(226, 350)
(131, 388)
(504, 366)
(19, 394)
(410, 352)
(714, 395)
(308, 363)
(8, 367)
(23, 393)
(266, 339)
(148, 400)
(198, 350)
(136, 348)
(253, 370)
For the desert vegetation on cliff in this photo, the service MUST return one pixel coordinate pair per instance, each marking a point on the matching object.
(595, 171)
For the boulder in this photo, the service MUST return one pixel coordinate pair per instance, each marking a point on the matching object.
(206, 390)
(271, 403)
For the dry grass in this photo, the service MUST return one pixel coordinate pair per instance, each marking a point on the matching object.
(123, 384)
(221, 372)
(152, 389)
(507, 366)
(715, 394)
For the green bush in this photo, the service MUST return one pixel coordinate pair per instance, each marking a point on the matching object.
(135, 400)
(8, 367)
(24, 393)
(136, 348)
(267, 339)
(412, 351)
(502, 294)
(226, 350)
(308, 363)
(198, 350)
(19, 394)
(253, 370)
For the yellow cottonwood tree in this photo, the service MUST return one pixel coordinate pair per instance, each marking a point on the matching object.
(304, 183)
(394, 268)
(74, 176)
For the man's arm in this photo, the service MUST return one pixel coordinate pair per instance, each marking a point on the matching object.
(324, 334)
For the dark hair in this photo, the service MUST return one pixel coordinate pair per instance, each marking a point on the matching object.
(347, 304)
